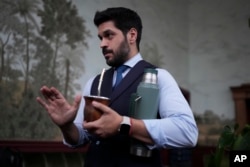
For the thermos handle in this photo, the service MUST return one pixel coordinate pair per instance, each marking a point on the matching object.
(133, 103)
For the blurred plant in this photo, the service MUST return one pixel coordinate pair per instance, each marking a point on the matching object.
(230, 139)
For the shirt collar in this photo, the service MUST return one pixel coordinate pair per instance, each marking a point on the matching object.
(134, 60)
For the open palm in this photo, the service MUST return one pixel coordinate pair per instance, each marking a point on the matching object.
(60, 111)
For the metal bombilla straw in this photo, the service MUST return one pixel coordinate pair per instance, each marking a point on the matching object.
(100, 82)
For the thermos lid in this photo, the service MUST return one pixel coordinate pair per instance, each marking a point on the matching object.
(150, 70)
(150, 76)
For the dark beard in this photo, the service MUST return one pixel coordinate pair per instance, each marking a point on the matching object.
(121, 55)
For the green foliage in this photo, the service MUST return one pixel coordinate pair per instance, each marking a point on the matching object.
(32, 55)
(230, 139)
(59, 19)
(241, 142)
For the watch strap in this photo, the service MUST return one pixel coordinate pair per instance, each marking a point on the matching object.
(126, 120)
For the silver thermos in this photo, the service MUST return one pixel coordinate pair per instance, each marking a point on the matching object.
(144, 105)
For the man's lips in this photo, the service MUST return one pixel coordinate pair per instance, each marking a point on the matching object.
(107, 56)
(107, 53)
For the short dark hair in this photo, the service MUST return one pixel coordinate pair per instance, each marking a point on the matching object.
(123, 18)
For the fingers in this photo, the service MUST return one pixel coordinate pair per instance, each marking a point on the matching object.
(42, 103)
(56, 93)
(94, 128)
(47, 93)
(90, 126)
(50, 94)
(100, 106)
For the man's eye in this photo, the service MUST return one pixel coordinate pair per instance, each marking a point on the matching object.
(109, 35)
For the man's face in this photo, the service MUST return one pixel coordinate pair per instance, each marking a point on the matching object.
(115, 47)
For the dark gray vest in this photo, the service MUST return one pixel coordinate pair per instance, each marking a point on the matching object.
(114, 151)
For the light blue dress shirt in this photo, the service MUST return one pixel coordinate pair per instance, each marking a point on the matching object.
(176, 128)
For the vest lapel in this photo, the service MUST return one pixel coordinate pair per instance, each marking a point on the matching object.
(106, 89)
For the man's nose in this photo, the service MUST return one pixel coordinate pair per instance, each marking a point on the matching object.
(104, 43)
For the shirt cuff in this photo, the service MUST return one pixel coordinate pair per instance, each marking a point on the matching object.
(82, 140)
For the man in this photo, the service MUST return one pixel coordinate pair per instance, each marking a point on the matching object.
(119, 30)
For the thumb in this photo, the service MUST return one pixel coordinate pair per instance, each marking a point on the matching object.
(77, 101)
(102, 107)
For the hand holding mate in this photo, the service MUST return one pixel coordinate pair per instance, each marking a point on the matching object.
(107, 125)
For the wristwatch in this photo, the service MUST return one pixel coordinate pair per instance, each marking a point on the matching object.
(125, 126)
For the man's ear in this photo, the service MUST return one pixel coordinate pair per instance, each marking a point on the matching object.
(132, 36)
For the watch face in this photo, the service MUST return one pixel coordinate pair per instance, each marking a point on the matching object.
(124, 129)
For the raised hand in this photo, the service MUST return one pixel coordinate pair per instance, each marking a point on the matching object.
(58, 108)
